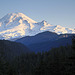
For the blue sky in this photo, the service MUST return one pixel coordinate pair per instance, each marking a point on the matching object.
(55, 12)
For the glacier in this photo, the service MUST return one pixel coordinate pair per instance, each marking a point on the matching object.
(17, 25)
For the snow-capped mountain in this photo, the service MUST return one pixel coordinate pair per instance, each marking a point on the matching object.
(17, 25)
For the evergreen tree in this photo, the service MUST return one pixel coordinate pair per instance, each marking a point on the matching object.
(73, 42)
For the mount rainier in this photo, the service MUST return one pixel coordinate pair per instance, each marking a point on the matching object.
(17, 25)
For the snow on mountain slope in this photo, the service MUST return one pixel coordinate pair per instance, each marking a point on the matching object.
(17, 25)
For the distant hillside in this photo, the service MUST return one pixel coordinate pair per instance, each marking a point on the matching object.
(41, 37)
(46, 40)
(12, 49)
(45, 46)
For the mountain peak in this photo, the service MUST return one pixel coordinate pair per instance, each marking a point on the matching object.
(44, 22)
(16, 25)
(13, 16)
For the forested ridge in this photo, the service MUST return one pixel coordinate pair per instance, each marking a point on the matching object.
(55, 61)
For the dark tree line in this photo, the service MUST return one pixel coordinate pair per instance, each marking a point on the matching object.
(56, 61)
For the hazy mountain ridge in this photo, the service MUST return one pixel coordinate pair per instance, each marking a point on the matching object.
(48, 45)
(17, 25)
(46, 40)
(41, 37)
